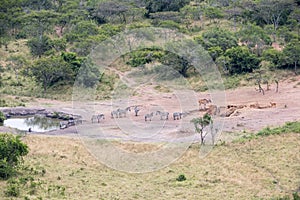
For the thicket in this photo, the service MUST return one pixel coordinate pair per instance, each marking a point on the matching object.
(12, 150)
(60, 35)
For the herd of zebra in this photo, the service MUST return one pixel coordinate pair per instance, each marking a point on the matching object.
(120, 113)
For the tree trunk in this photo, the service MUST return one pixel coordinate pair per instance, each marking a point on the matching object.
(295, 68)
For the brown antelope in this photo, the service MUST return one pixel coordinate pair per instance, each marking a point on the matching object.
(273, 104)
(203, 102)
(213, 110)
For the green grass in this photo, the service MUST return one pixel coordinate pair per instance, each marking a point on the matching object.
(289, 127)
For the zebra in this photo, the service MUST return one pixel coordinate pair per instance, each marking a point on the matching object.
(148, 116)
(114, 113)
(136, 110)
(163, 115)
(122, 112)
(97, 117)
(177, 115)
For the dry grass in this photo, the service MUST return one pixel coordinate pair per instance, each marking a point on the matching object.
(262, 168)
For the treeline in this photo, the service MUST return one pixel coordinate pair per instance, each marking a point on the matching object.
(238, 34)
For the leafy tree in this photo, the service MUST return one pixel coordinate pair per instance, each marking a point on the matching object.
(12, 149)
(295, 15)
(179, 63)
(49, 71)
(82, 30)
(273, 11)
(200, 123)
(153, 6)
(213, 13)
(241, 60)
(274, 56)
(39, 45)
(73, 60)
(254, 37)
(215, 39)
(291, 54)
(38, 23)
(10, 11)
(89, 74)
(109, 10)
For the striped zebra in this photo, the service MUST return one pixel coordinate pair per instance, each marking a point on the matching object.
(148, 116)
(163, 115)
(177, 115)
(114, 113)
(123, 112)
(97, 117)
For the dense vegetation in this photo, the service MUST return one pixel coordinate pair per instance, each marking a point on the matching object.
(44, 43)
(12, 149)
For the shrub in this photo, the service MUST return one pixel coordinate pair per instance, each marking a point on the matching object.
(2, 117)
(13, 189)
(12, 149)
(181, 177)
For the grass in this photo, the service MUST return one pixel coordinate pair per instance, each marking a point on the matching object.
(263, 168)
(289, 127)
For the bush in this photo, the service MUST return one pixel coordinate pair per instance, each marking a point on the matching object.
(13, 190)
(12, 149)
(181, 177)
(2, 118)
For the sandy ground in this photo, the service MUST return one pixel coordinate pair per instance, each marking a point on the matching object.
(149, 100)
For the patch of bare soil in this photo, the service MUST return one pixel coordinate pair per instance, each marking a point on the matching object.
(245, 118)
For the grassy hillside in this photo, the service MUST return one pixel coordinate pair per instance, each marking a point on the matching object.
(262, 168)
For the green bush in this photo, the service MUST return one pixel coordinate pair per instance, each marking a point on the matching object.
(2, 117)
(13, 189)
(181, 177)
(12, 149)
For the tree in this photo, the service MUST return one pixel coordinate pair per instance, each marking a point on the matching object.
(273, 56)
(200, 123)
(89, 74)
(215, 39)
(39, 45)
(108, 10)
(213, 13)
(49, 71)
(241, 60)
(12, 149)
(153, 6)
(254, 37)
(273, 11)
(291, 54)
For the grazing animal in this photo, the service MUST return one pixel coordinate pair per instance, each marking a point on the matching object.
(136, 110)
(177, 115)
(97, 117)
(148, 116)
(163, 115)
(122, 112)
(214, 110)
(273, 104)
(202, 103)
(114, 113)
